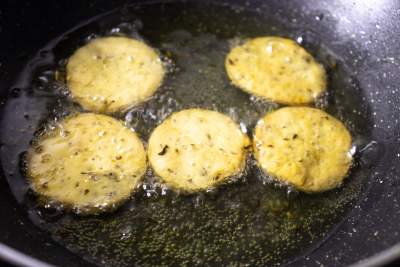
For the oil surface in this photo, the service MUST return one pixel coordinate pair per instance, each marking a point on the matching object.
(252, 221)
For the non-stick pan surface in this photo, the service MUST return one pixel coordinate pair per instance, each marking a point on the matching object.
(363, 35)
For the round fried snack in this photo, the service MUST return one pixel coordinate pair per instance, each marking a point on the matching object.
(113, 74)
(304, 147)
(195, 149)
(90, 163)
(276, 69)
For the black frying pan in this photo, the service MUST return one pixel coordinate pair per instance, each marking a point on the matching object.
(360, 44)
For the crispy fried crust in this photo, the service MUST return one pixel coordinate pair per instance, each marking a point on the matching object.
(89, 163)
(276, 69)
(194, 149)
(304, 147)
(113, 73)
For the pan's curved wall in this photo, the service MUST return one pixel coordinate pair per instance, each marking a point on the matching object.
(366, 33)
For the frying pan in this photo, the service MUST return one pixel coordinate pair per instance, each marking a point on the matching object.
(364, 34)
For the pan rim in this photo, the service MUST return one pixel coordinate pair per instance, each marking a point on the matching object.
(18, 258)
(21, 259)
(14, 256)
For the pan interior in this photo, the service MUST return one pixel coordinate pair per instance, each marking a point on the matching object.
(251, 221)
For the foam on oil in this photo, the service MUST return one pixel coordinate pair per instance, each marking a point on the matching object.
(252, 220)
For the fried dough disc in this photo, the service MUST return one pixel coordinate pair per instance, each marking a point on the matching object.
(304, 147)
(276, 69)
(90, 163)
(194, 149)
(113, 73)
